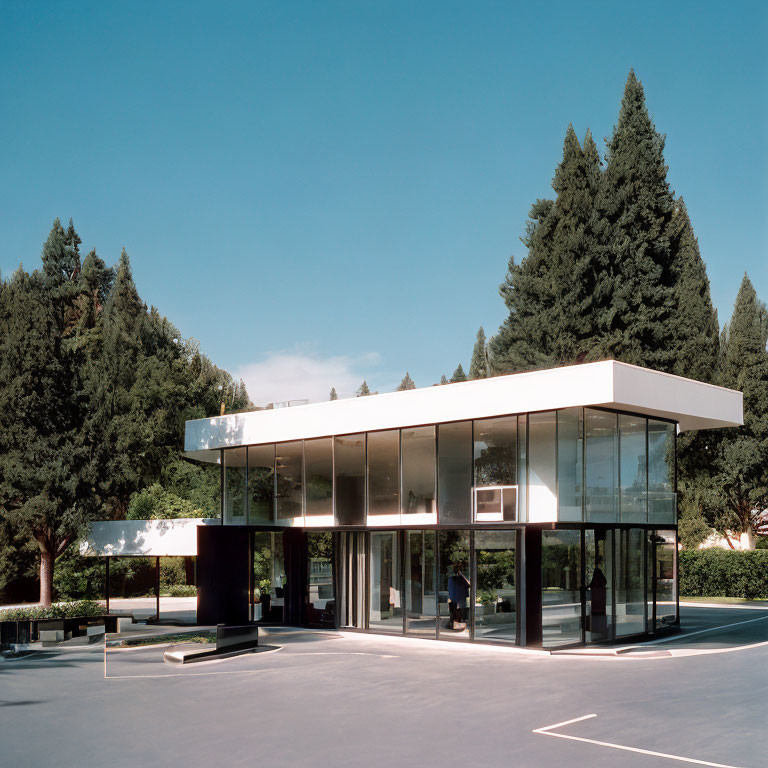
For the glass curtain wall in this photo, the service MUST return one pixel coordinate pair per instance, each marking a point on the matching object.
(418, 475)
(570, 464)
(384, 477)
(661, 472)
(268, 576)
(602, 466)
(261, 484)
(352, 580)
(495, 586)
(542, 475)
(385, 612)
(495, 470)
(454, 473)
(560, 587)
(420, 595)
(234, 486)
(321, 598)
(454, 587)
(318, 480)
(663, 584)
(633, 473)
(598, 570)
(289, 468)
(349, 463)
(629, 617)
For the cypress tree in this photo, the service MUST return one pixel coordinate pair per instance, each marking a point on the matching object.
(479, 366)
(363, 391)
(333, 396)
(443, 379)
(550, 294)
(458, 375)
(406, 383)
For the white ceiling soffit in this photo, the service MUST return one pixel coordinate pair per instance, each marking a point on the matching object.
(608, 383)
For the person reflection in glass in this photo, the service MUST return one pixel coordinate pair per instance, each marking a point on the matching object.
(458, 591)
(598, 619)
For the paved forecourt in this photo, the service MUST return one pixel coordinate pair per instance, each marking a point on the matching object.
(344, 699)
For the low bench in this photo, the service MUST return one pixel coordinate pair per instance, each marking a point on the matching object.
(230, 641)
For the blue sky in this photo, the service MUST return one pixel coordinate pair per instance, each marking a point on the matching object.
(326, 192)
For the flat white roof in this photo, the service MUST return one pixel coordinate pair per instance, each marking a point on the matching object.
(609, 384)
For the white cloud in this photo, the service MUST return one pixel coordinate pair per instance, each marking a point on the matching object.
(304, 375)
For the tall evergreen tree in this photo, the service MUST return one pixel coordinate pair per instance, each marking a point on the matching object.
(734, 485)
(479, 367)
(406, 383)
(363, 391)
(458, 375)
(443, 379)
(333, 396)
(550, 294)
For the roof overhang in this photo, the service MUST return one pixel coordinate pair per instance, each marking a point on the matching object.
(609, 384)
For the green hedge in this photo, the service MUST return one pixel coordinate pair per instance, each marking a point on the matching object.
(74, 610)
(724, 573)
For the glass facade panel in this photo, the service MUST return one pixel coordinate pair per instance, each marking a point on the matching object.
(570, 464)
(454, 472)
(384, 474)
(663, 576)
(418, 489)
(632, 471)
(349, 463)
(602, 466)
(560, 587)
(495, 470)
(321, 598)
(495, 586)
(318, 477)
(598, 569)
(420, 597)
(454, 585)
(234, 486)
(542, 482)
(662, 505)
(630, 582)
(352, 581)
(268, 576)
(261, 484)
(289, 466)
(385, 612)
(522, 468)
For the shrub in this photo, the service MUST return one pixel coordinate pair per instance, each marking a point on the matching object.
(182, 590)
(56, 611)
(724, 573)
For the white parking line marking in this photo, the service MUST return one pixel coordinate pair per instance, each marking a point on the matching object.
(686, 635)
(547, 731)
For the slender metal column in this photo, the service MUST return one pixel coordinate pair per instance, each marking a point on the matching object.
(157, 586)
(106, 582)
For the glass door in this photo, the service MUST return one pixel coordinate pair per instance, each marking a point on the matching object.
(352, 580)
(598, 587)
(320, 603)
(420, 594)
(561, 588)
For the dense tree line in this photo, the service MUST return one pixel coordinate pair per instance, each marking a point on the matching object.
(94, 391)
(613, 270)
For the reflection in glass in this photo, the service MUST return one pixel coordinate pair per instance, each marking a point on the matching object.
(349, 464)
(496, 599)
(385, 611)
(560, 587)
(261, 483)
(602, 467)
(453, 585)
(663, 574)
(352, 580)
(522, 468)
(384, 474)
(661, 472)
(630, 592)
(570, 464)
(598, 550)
(632, 474)
(289, 467)
(234, 486)
(321, 600)
(542, 475)
(318, 476)
(418, 495)
(420, 600)
(268, 577)
(454, 472)
(495, 470)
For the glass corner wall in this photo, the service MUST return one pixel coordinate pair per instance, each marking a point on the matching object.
(234, 502)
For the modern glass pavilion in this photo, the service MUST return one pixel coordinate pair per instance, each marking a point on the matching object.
(536, 509)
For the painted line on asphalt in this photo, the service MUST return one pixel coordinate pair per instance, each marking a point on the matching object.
(686, 635)
(547, 731)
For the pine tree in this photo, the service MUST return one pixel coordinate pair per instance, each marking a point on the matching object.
(458, 375)
(550, 294)
(363, 391)
(479, 365)
(443, 379)
(734, 480)
(334, 396)
(406, 383)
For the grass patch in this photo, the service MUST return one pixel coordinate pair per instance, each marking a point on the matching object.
(177, 637)
(727, 600)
